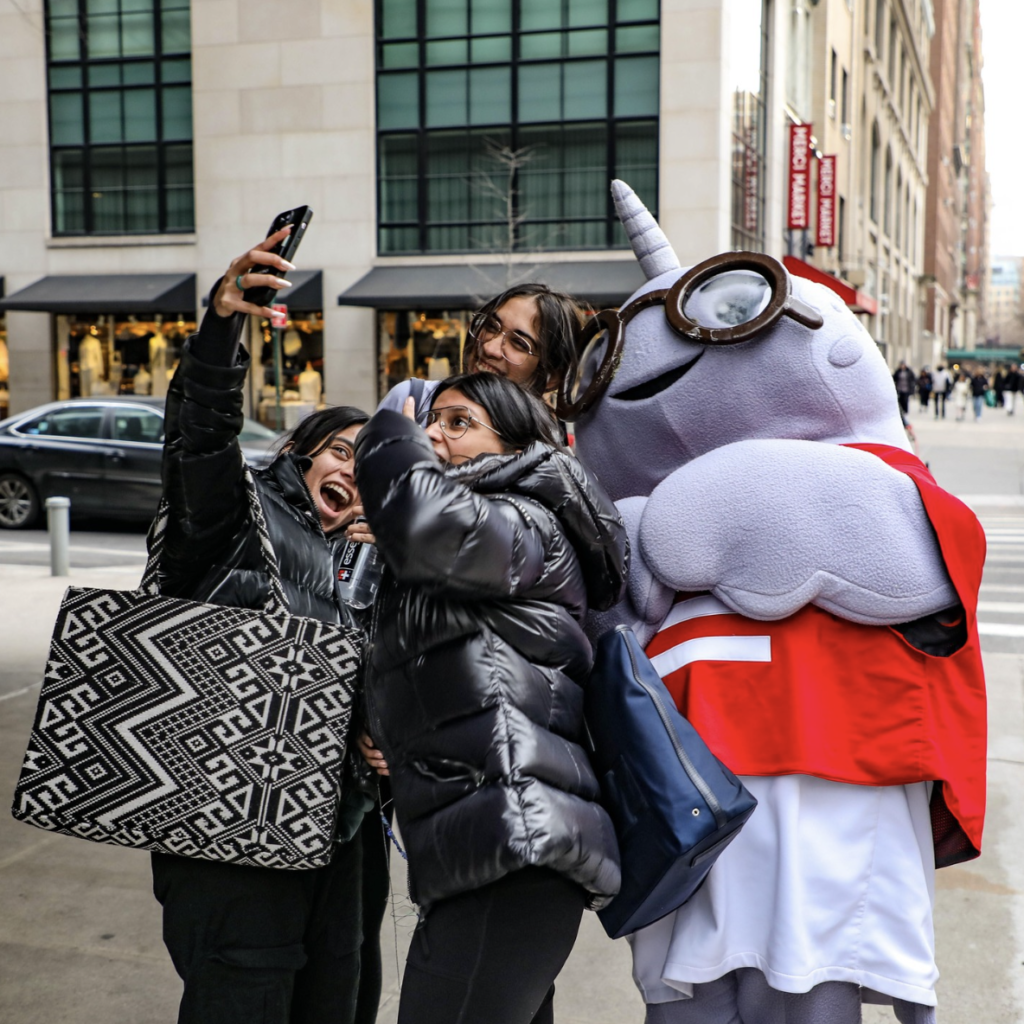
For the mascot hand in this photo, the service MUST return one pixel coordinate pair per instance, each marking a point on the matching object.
(770, 526)
(647, 600)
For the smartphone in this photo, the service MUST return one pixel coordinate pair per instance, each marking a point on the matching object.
(299, 219)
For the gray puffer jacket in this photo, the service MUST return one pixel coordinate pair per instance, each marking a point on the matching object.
(474, 684)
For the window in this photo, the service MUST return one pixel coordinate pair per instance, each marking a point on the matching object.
(833, 76)
(846, 98)
(879, 29)
(876, 146)
(887, 197)
(120, 93)
(79, 422)
(500, 122)
(892, 54)
(139, 425)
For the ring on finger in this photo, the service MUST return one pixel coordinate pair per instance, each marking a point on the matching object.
(238, 283)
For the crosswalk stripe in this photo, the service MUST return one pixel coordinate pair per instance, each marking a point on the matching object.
(1000, 629)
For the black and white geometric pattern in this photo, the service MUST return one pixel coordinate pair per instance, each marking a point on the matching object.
(193, 729)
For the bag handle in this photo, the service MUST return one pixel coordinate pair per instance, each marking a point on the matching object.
(277, 603)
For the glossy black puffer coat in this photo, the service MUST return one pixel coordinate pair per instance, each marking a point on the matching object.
(474, 683)
(212, 551)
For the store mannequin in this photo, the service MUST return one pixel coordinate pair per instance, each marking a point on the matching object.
(158, 365)
(142, 382)
(90, 365)
(311, 385)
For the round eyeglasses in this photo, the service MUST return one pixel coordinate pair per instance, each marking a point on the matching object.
(515, 349)
(454, 421)
(725, 300)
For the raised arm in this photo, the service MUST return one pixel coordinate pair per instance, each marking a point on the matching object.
(202, 465)
(434, 530)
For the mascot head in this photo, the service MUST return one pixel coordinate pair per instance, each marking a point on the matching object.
(729, 350)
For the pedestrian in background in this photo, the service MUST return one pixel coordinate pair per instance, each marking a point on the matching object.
(924, 389)
(255, 944)
(961, 395)
(942, 384)
(496, 541)
(979, 386)
(1014, 386)
(905, 381)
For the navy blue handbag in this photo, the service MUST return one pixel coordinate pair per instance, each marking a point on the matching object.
(675, 806)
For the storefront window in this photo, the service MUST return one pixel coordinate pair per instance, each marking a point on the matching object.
(301, 370)
(118, 355)
(426, 344)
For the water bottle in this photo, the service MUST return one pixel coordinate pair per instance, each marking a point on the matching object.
(359, 573)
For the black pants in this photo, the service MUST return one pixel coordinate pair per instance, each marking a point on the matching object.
(491, 956)
(263, 946)
(904, 400)
(940, 403)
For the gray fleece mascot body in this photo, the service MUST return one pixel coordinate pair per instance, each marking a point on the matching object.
(808, 594)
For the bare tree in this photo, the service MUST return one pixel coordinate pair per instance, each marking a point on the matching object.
(499, 180)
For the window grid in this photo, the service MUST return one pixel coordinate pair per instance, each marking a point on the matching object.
(120, 116)
(433, 57)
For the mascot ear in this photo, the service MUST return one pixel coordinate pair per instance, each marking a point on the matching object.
(650, 246)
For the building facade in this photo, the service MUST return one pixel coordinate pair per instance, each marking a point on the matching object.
(447, 148)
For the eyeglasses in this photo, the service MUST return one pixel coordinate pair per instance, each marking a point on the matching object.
(515, 348)
(454, 421)
(725, 300)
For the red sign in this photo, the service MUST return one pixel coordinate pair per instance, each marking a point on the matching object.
(280, 317)
(827, 202)
(799, 176)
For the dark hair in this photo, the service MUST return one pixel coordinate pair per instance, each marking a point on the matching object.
(519, 417)
(560, 320)
(316, 433)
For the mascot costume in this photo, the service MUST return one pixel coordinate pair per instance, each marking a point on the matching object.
(808, 594)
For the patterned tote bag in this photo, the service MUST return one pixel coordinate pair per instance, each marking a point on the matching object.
(189, 728)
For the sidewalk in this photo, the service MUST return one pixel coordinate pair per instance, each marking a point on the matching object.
(80, 931)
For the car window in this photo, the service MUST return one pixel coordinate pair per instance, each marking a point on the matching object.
(138, 425)
(253, 431)
(86, 423)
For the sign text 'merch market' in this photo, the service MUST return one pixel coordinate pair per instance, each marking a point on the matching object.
(799, 175)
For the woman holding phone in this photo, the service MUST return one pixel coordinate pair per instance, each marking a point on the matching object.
(496, 541)
(255, 944)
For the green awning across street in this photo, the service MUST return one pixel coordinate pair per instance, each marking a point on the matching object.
(983, 355)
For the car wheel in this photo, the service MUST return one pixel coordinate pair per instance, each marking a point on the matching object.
(19, 504)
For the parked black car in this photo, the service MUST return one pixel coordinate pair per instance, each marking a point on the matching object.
(102, 453)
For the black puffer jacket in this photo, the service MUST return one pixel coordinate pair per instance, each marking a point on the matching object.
(212, 550)
(474, 682)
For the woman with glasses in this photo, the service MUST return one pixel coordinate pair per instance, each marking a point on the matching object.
(528, 334)
(496, 543)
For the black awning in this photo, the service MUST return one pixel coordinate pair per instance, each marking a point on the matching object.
(467, 286)
(306, 294)
(107, 293)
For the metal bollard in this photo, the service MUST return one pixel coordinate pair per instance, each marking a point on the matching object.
(58, 511)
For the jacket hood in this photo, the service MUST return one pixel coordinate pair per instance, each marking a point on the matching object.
(557, 480)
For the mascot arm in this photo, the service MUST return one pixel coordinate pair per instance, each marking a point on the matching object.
(769, 526)
(647, 599)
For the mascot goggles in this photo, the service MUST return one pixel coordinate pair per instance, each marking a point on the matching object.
(725, 300)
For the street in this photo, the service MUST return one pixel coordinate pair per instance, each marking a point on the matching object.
(80, 931)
